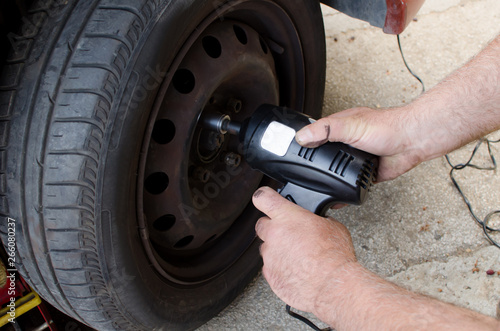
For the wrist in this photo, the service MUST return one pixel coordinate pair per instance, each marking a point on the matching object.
(427, 132)
(331, 300)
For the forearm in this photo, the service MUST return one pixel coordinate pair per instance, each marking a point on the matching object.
(360, 300)
(463, 107)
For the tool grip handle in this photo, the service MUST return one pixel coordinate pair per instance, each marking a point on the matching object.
(313, 201)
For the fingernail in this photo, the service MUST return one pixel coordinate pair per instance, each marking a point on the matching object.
(304, 136)
(258, 193)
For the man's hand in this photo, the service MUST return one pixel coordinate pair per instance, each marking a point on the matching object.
(302, 252)
(380, 132)
(460, 109)
(309, 263)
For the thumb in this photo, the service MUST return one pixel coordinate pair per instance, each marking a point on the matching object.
(346, 127)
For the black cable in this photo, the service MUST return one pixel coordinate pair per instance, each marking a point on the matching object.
(407, 67)
(305, 320)
(484, 222)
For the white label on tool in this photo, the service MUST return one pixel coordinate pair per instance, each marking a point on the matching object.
(277, 138)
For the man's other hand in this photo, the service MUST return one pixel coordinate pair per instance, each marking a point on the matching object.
(381, 132)
(302, 252)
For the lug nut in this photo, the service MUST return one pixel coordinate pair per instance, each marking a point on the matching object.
(202, 174)
(234, 105)
(232, 159)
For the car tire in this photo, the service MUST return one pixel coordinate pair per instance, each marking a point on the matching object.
(82, 93)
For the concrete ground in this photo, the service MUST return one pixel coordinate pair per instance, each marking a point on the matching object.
(415, 230)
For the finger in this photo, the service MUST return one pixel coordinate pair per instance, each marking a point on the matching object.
(261, 227)
(314, 134)
(326, 129)
(274, 205)
(344, 126)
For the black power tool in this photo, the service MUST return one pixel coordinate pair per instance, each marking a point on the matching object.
(313, 178)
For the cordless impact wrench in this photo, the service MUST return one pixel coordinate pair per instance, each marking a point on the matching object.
(313, 178)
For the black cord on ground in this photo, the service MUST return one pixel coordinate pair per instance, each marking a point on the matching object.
(407, 67)
(483, 223)
(305, 320)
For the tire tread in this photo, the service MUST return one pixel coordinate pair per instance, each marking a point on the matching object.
(49, 276)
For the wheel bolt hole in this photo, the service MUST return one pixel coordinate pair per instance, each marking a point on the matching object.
(203, 175)
(183, 81)
(184, 242)
(234, 105)
(212, 46)
(263, 45)
(156, 183)
(163, 131)
(164, 223)
(240, 34)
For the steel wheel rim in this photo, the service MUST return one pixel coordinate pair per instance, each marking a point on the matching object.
(208, 248)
